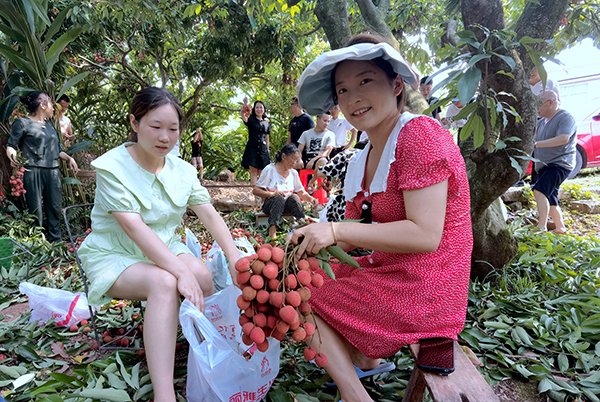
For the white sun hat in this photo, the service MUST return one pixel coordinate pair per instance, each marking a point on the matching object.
(315, 88)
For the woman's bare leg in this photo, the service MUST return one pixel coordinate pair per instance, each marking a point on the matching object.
(340, 354)
(201, 272)
(146, 281)
(254, 173)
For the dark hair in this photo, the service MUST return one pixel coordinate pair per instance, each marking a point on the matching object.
(65, 98)
(424, 81)
(321, 114)
(34, 100)
(264, 116)
(382, 64)
(295, 100)
(287, 150)
(149, 99)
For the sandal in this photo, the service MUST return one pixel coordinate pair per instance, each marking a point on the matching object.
(382, 368)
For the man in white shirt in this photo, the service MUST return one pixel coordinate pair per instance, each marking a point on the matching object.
(340, 128)
(448, 120)
(316, 144)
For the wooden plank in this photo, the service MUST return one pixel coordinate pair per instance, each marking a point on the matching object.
(465, 384)
(415, 390)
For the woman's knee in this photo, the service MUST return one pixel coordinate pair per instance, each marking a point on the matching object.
(202, 274)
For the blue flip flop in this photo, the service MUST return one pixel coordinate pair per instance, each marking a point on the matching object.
(382, 368)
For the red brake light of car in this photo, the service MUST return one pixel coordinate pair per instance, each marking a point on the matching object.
(596, 117)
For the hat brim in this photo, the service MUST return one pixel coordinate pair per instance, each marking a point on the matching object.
(315, 88)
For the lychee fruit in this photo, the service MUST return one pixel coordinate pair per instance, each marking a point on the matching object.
(263, 347)
(242, 303)
(246, 339)
(288, 314)
(262, 308)
(264, 254)
(257, 335)
(249, 293)
(243, 319)
(271, 321)
(317, 280)
(314, 263)
(243, 277)
(304, 277)
(257, 281)
(125, 342)
(273, 284)
(321, 360)
(299, 334)
(277, 334)
(247, 328)
(309, 353)
(291, 282)
(242, 265)
(258, 266)
(303, 265)
(309, 328)
(282, 327)
(276, 299)
(305, 309)
(271, 270)
(277, 255)
(84, 322)
(260, 320)
(74, 328)
(304, 293)
(262, 296)
(293, 298)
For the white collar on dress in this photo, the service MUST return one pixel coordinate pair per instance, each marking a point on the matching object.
(177, 176)
(356, 166)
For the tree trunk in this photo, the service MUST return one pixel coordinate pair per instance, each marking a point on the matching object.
(493, 174)
(374, 18)
(333, 17)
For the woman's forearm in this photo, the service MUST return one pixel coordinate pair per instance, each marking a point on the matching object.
(218, 229)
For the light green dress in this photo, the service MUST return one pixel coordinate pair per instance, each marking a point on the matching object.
(124, 186)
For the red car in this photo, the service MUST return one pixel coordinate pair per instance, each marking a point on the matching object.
(588, 142)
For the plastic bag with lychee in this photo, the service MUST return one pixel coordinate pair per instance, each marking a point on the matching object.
(275, 294)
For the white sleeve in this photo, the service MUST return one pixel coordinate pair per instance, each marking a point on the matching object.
(266, 177)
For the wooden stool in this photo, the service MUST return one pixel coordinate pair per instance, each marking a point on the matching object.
(465, 384)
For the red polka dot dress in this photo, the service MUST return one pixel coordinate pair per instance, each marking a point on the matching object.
(399, 298)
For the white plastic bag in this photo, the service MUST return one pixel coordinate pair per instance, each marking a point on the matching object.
(65, 307)
(217, 371)
(217, 262)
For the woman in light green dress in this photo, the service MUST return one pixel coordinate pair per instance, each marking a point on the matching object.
(133, 252)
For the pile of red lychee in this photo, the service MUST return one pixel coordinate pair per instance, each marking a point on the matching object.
(274, 298)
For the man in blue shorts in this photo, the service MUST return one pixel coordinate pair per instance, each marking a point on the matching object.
(555, 147)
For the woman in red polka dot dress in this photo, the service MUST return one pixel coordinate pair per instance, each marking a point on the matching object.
(410, 182)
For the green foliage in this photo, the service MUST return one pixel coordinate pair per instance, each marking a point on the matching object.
(540, 319)
(576, 192)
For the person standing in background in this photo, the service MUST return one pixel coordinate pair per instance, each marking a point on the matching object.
(66, 129)
(256, 155)
(299, 123)
(340, 128)
(448, 121)
(425, 89)
(37, 140)
(555, 148)
(535, 81)
(197, 153)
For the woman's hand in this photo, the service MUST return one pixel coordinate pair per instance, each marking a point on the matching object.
(313, 238)
(188, 287)
(73, 165)
(314, 202)
(276, 193)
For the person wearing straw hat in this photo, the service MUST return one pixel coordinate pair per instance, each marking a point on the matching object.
(410, 190)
